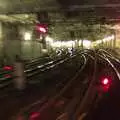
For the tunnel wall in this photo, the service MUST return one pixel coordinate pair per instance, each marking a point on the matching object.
(118, 43)
(31, 49)
(12, 43)
(117, 38)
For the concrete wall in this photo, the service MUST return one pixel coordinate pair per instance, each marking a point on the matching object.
(12, 43)
(118, 43)
(118, 38)
(31, 49)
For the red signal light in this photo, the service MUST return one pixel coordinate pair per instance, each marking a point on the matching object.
(7, 68)
(42, 28)
(34, 115)
(8, 76)
(105, 81)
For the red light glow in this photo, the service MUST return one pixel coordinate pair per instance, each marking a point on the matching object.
(8, 76)
(41, 29)
(34, 115)
(105, 81)
(7, 68)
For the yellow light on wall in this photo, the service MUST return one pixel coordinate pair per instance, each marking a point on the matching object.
(86, 43)
(49, 39)
(27, 36)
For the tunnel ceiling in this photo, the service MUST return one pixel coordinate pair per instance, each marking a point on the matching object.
(59, 13)
(75, 9)
(21, 6)
(102, 7)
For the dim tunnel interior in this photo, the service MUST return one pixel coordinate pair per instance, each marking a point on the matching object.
(59, 59)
